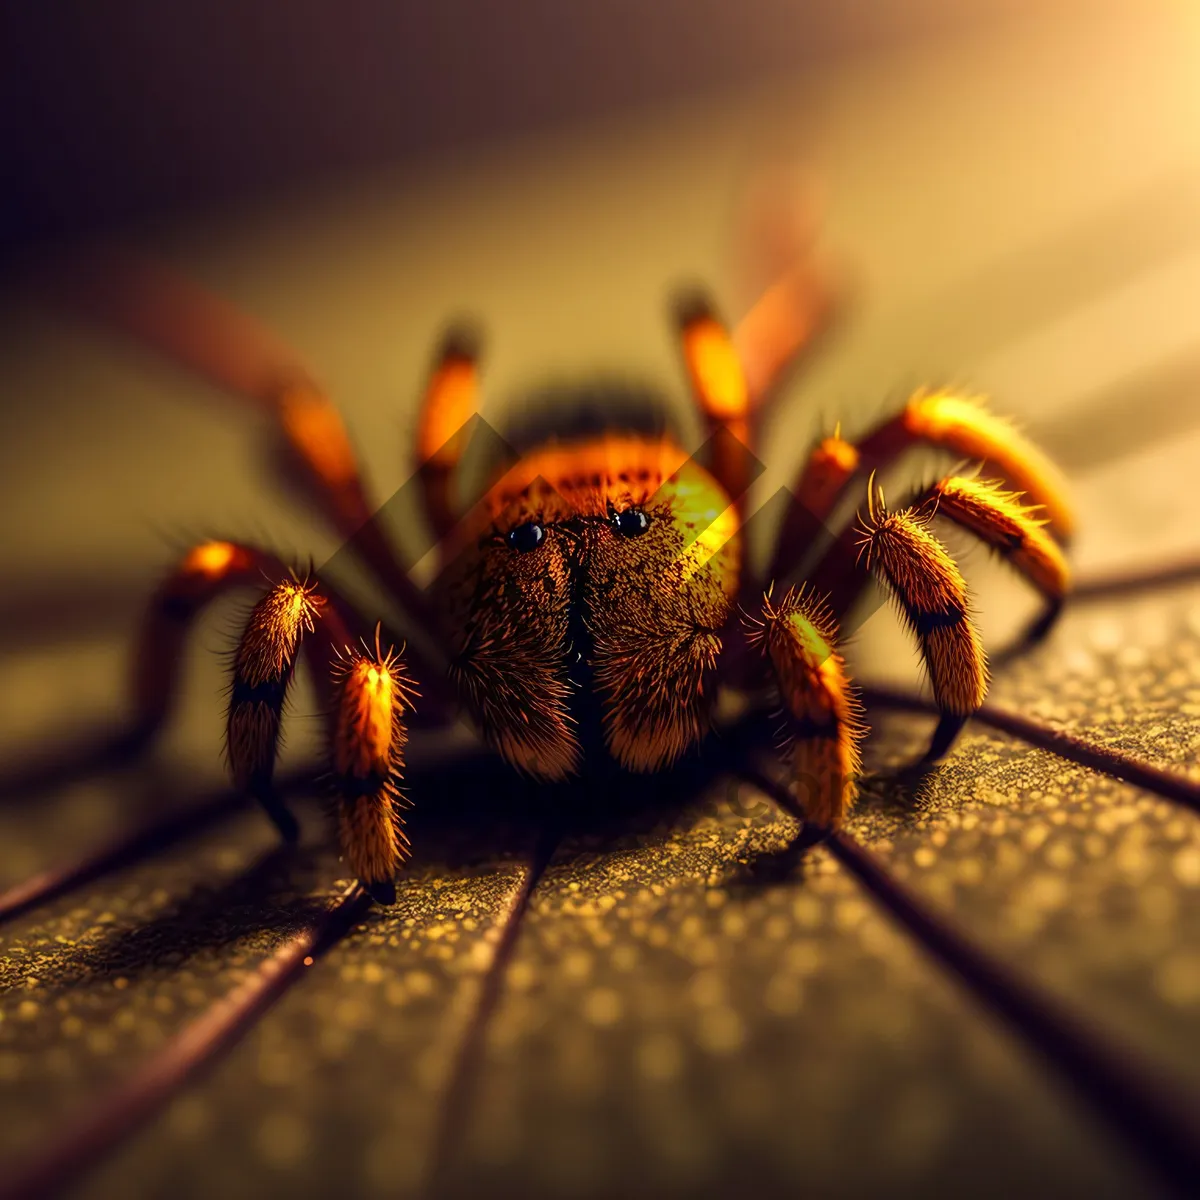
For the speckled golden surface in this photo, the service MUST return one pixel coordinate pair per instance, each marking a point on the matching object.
(669, 1005)
(681, 1014)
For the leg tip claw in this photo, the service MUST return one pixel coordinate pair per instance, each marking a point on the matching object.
(381, 893)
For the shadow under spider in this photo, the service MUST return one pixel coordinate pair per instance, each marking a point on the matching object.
(479, 808)
(270, 895)
(466, 815)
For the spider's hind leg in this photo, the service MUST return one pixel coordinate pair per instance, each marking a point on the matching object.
(721, 392)
(822, 717)
(450, 400)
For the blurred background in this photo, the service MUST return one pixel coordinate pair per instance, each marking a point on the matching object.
(139, 112)
(1012, 188)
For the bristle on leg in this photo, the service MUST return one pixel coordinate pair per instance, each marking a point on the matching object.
(963, 425)
(373, 693)
(932, 596)
(262, 672)
(1015, 530)
(822, 716)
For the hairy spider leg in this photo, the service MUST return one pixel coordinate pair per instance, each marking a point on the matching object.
(963, 424)
(365, 694)
(930, 592)
(999, 518)
(450, 399)
(946, 420)
(821, 716)
(370, 694)
(373, 693)
(209, 337)
(1016, 531)
(205, 572)
(784, 325)
(720, 391)
(263, 665)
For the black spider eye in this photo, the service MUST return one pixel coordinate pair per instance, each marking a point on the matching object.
(630, 523)
(527, 537)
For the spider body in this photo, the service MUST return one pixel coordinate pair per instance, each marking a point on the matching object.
(595, 600)
(585, 609)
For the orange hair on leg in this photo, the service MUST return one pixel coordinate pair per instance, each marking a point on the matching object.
(373, 693)
(822, 714)
(932, 596)
(831, 465)
(721, 392)
(1014, 530)
(263, 666)
(963, 425)
(451, 398)
(206, 571)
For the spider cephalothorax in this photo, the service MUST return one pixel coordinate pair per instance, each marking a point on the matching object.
(597, 598)
(587, 601)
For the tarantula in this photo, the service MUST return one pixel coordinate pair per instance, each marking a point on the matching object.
(594, 601)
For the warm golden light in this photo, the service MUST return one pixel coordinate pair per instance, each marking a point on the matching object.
(1015, 530)
(452, 400)
(365, 728)
(715, 368)
(784, 318)
(829, 466)
(964, 425)
(315, 429)
(215, 559)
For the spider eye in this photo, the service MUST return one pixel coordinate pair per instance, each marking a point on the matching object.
(631, 523)
(527, 537)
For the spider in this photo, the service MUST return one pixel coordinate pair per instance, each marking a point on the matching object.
(595, 601)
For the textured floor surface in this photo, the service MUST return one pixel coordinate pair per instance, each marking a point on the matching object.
(684, 1010)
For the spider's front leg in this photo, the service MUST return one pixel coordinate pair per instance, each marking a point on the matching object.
(373, 694)
(368, 694)
(365, 695)
(821, 713)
